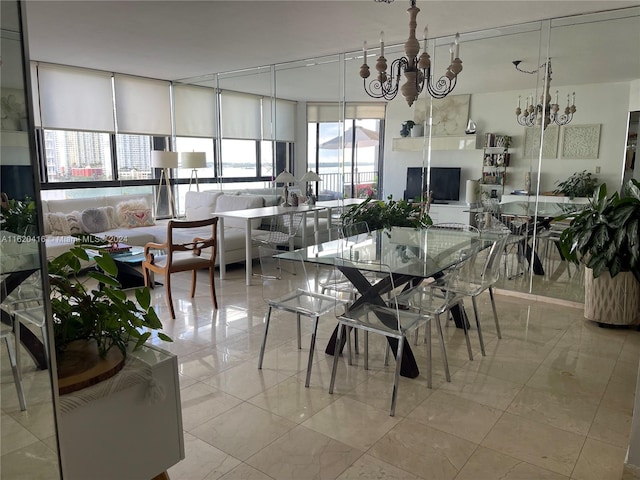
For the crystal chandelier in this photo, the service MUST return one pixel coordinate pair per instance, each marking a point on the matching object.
(533, 114)
(417, 70)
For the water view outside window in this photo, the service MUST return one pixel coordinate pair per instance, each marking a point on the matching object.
(73, 156)
(239, 158)
(358, 173)
(194, 144)
(266, 158)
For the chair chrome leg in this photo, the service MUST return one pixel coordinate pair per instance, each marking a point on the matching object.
(495, 312)
(264, 338)
(465, 321)
(443, 349)
(16, 373)
(355, 341)
(366, 350)
(475, 312)
(396, 378)
(312, 347)
(334, 367)
(299, 334)
(427, 328)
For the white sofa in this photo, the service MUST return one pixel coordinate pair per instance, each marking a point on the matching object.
(198, 205)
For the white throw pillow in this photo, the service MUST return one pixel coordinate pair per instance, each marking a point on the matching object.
(129, 206)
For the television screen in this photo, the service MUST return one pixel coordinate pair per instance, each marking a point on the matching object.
(445, 183)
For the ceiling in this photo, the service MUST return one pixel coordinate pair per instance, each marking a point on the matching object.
(179, 39)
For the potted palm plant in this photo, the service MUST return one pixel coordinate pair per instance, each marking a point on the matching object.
(94, 326)
(605, 236)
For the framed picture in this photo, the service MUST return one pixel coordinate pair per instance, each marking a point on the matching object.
(581, 141)
(532, 142)
(450, 114)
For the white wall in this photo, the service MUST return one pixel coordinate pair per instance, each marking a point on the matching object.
(605, 104)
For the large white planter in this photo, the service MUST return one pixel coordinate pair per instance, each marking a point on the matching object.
(614, 301)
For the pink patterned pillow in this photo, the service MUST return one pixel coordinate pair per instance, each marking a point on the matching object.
(138, 218)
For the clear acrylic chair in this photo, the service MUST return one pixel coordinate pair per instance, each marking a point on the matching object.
(472, 281)
(387, 320)
(6, 333)
(288, 293)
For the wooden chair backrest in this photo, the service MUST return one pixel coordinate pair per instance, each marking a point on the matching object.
(198, 243)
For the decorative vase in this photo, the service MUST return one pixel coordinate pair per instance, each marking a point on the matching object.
(611, 301)
(471, 127)
(416, 131)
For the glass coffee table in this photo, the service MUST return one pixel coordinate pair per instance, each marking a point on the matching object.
(128, 263)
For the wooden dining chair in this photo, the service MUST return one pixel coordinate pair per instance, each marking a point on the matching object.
(183, 256)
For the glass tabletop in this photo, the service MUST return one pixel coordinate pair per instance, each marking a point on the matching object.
(421, 253)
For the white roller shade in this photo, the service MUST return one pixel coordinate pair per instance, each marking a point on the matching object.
(75, 99)
(240, 116)
(285, 119)
(332, 112)
(195, 111)
(143, 106)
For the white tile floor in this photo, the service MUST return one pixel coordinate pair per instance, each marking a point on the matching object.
(552, 399)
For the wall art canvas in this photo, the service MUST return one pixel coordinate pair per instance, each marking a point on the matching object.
(581, 141)
(532, 142)
(450, 114)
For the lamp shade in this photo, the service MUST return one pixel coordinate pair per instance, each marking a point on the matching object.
(285, 177)
(193, 159)
(311, 176)
(161, 159)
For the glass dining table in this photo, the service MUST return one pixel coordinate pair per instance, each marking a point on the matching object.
(410, 255)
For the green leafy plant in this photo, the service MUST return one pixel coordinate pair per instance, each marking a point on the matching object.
(579, 184)
(103, 314)
(605, 236)
(380, 214)
(18, 216)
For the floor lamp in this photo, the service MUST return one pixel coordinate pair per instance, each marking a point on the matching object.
(193, 160)
(165, 161)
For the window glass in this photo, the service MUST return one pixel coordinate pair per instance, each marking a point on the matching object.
(134, 156)
(266, 158)
(193, 144)
(238, 158)
(73, 156)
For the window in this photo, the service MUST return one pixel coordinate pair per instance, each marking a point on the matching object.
(73, 156)
(331, 146)
(192, 144)
(266, 158)
(239, 158)
(134, 156)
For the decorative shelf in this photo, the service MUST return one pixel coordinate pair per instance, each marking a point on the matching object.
(451, 142)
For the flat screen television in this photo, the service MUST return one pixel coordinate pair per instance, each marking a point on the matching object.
(445, 183)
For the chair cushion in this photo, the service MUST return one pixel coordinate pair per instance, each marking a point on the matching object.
(183, 260)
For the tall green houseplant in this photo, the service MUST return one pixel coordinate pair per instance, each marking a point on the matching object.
(605, 237)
